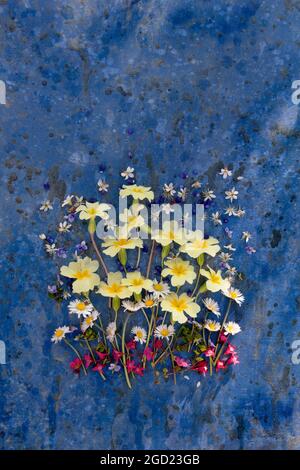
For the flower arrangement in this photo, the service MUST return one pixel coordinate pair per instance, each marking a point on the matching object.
(148, 298)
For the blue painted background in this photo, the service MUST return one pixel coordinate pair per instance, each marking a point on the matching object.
(167, 87)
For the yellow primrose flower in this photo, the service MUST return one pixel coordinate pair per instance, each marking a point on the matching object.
(137, 192)
(171, 232)
(198, 245)
(178, 305)
(114, 287)
(136, 282)
(180, 271)
(131, 217)
(83, 271)
(122, 242)
(215, 282)
(91, 210)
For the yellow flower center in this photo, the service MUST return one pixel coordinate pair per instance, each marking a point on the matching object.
(92, 211)
(81, 306)
(158, 287)
(215, 278)
(82, 274)
(233, 295)
(89, 320)
(179, 304)
(179, 270)
(137, 281)
(121, 242)
(59, 333)
(139, 334)
(115, 288)
(164, 332)
(149, 302)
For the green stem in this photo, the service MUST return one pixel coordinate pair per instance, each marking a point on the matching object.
(77, 354)
(172, 360)
(221, 329)
(138, 258)
(150, 258)
(93, 357)
(123, 351)
(99, 254)
(197, 283)
(148, 335)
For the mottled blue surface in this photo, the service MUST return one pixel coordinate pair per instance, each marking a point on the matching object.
(169, 87)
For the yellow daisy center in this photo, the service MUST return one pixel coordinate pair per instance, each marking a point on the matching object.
(59, 333)
(164, 332)
(158, 287)
(139, 334)
(89, 320)
(149, 303)
(81, 306)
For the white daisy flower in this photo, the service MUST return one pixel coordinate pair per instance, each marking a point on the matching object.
(42, 236)
(216, 218)
(89, 320)
(225, 257)
(212, 325)
(225, 172)
(68, 201)
(235, 295)
(140, 334)
(212, 306)
(231, 195)
(60, 333)
(164, 331)
(80, 308)
(64, 227)
(230, 247)
(232, 328)
(169, 190)
(128, 173)
(131, 306)
(46, 206)
(111, 331)
(102, 186)
(149, 301)
(246, 236)
(208, 195)
(159, 289)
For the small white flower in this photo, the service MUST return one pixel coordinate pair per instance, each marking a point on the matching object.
(230, 247)
(89, 320)
(167, 208)
(111, 331)
(232, 271)
(128, 173)
(232, 328)
(231, 195)
(208, 195)
(64, 227)
(225, 172)
(212, 306)
(132, 306)
(149, 301)
(60, 333)
(212, 325)
(68, 201)
(155, 215)
(225, 257)
(216, 218)
(46, 206)
(169, 190)
(230, 211)
(140, 334)
(246, 236)
(42, 236)
(196, 185)
(102, 186)
(182, 193)
(80, 308)
(240, 212)
(235, 295)
(164, 331)
(51, 249)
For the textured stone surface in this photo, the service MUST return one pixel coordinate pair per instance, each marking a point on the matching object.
(169, 87)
